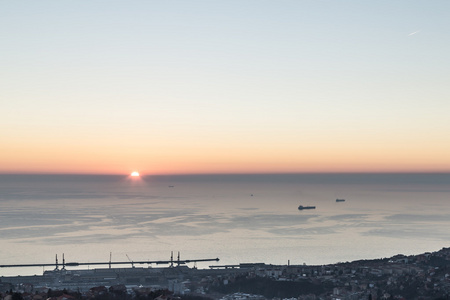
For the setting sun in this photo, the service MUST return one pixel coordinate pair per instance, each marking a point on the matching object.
(135, 174)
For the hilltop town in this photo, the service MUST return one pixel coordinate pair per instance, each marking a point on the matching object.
(424, 276)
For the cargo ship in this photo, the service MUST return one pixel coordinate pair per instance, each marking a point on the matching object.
(301, 207)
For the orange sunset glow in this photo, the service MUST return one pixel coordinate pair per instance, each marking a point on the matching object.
(273, 159)
(253, 102)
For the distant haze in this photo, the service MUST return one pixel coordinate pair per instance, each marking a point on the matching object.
(238, 218)
(183, 87)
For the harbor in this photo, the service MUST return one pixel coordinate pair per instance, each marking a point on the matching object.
(421, 276)
(117, 273)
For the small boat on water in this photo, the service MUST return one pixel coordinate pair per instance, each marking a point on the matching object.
(340, 200)
(301, 207)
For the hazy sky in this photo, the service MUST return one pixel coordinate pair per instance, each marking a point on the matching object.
(224, 86)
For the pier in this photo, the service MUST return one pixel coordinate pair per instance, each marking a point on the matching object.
(171, 262)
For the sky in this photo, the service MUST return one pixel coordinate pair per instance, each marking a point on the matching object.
(176, 87)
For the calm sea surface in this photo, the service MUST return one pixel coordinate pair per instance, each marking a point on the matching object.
(238, 218)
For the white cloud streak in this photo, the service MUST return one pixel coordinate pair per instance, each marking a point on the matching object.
(413, 33)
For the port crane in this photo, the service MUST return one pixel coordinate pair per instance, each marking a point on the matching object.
(132, 263)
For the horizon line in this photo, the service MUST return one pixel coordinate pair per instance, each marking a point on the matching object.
(226, 173)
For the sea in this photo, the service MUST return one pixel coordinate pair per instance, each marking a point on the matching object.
(243, 218)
